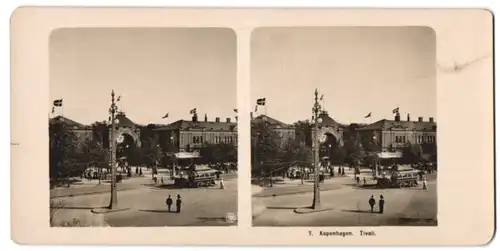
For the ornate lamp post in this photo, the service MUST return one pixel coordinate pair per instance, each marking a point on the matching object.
(315, 147)
(112, 111)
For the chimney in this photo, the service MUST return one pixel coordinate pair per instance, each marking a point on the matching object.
(420, 119)
(206, 119)
(398, 117)
(217, 119)
(408, 117)
(228, 120)
(431, 119)
(195, 118)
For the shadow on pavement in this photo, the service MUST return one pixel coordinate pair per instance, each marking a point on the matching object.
(359, 211)
(288, 208)
(158, 211)
(82, 208)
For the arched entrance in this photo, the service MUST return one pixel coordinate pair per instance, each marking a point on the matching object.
(128, 146)
(330, 144)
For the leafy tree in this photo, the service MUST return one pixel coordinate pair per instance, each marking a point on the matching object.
(412, 153)
(63, 154)
(303, 132)
(353, 150)
(100, 132)
(265, 144)
(219, 153)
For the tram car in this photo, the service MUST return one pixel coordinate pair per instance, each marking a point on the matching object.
(401, 177)
(199, 177)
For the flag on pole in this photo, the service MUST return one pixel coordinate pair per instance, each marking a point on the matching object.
(321, 98)
(235, 110)
(396, 110)
(118, 99)
(261, 101)
(368, 115)
(58, 102)
(256, 108)
(193, 111)
(166, 116)
(52, 109)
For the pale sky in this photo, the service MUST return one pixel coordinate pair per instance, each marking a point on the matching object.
(155, 70)
(358, 69)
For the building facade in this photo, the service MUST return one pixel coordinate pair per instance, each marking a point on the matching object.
(285, 131)
(82, 132)
(186, 136)
(392, 135)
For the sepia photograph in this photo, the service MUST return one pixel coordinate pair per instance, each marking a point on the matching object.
(344, 126)
(143, 127)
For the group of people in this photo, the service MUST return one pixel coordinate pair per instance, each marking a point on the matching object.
(381, 204)
(178, 203)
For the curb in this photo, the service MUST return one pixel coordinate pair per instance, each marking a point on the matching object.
(89, 193)
(308, 210)
(292, 193)
(106, 210)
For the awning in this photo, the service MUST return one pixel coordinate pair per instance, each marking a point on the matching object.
(186, 155)
(390, 155)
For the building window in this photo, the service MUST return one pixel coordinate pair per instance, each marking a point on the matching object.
(194, 139)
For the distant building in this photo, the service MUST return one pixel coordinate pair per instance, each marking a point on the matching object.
(187, 135)
(392, 135)
(285, 131)
(82, 132)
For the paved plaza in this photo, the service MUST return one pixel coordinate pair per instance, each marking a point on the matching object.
(145, 205)
(348, 203)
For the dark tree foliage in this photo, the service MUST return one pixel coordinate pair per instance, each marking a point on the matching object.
(412, 153)
(218, 153)
(303, 132)
(69, 155)
(265, 144)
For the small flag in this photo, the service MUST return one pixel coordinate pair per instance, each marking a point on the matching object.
(235, 110)
(58, 102)
(193, 111)
(396, 110)
(368, 115)
(118, 99)
(166, 116)
(261, 101)
(321, 98)
(256, 108)
(52, 109)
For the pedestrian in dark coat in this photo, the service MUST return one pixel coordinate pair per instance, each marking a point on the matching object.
(169, 202)
(178, 203)
(343, 171)
(371, 201)
(364, 181)
(381, 204)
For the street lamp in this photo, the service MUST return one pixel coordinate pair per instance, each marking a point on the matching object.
(114, 121)
(317, 139)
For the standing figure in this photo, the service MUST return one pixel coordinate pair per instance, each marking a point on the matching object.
(178, 203)
(169, 202)
(371, 201)
(340, 170)
(364, 181)
(357, 181)
(162, 180)
(381, 203)
(343, 171)
(221, 183)
(424, 186)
